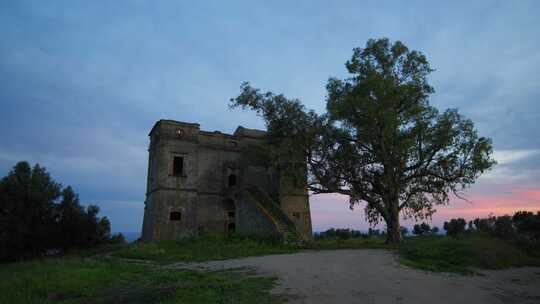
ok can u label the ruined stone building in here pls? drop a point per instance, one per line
(201, 182)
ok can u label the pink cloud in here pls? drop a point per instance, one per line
(332, 210)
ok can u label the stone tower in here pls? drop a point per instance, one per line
(199, 181)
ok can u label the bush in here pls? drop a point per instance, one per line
(503, 227)
(485, 224)
(340, 233)
(424, 229)
(523, 226)
(118, 238)
(374, 232)
(404, 231)
(527, 224)
(417, 230)
(456, 227)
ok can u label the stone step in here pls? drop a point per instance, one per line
(284, 225)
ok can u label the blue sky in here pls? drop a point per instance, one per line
(82, 82)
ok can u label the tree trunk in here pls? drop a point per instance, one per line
(393, 229)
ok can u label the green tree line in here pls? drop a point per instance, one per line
(523, 225)
(38, 215)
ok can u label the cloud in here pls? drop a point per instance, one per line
(510, 168)
(81, 83)
(504, 157)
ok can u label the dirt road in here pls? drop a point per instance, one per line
(375, 276)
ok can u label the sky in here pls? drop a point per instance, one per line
(82, 83)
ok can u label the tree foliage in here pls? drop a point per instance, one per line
(524, 225)
(379, 142)
(340, 233)
(27, 213)
(32, 219)
(455, 227)
(423, 229)
(527, 224)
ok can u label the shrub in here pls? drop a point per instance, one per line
(503, 227)
(118, 238)
(485, 224)
(527, 224)
(417, 230)
(423, 229)
(456, 227)
(404, 231)
(374, 232)
(340, 233)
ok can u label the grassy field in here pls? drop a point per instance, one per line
(433, 253)
(83, 280)
(210, 247)
(356, 243)
(219, 247)
(464, 255)
(96, 276)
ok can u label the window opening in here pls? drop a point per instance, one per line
(232, 180)
(178, 166)
(231, 227)
(175, 216)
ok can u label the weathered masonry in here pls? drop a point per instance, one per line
(200, 182)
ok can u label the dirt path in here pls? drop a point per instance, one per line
(375, 276)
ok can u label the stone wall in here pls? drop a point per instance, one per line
(201, 195)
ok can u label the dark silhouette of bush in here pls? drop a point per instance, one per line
(118, 238)
(340, 233)
(417, 230)
(374, 232)
(455, 227)
(404, 231)
(485, 224)
(523, 224)
(527, 224)
(423, 229)
(504, 227)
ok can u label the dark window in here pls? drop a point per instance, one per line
(175, 216)
(232, 180)
(296, 215)
(178, 166)
(231, 227)
(228, 204)
(231, 214)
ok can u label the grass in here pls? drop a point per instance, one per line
(433, 253)
(356, 243)
(83, 280)
(220, 247)
(463, 255)
(209, 247)
(91, 277)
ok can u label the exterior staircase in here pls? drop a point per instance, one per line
(283, 224)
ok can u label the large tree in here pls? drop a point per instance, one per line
(27, 211)
(380, 142)
(34, 219)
